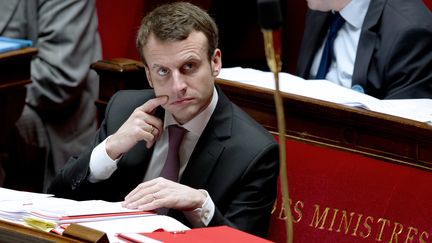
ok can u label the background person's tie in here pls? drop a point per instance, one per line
(336, 23)
(171, 168)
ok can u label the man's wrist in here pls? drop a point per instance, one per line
(109, 149)
(201, 216)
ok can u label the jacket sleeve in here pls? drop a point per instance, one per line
(409, 65)
(250, 208)
(68, 42)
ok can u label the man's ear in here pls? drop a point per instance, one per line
(216, 62)
(147, 71)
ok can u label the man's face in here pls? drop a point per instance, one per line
(181, 70)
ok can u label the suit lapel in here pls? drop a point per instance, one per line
(315, 31)
(367, 42)
(8, 9)
(209, 147)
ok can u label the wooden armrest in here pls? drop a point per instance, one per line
(117, 74)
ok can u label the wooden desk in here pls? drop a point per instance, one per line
(14, 75)
(313, 121)
(117, 74)
(353, 174)
(15, 233)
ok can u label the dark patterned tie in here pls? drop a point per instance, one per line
(336, 23)
(171, 168)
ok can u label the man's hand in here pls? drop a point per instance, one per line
(163, 193)
(141, 125)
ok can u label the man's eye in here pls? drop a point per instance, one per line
(162, 72)
(188, 66)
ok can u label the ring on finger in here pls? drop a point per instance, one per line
(152, 129)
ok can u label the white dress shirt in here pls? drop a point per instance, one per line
(345, 45)
(102, 166)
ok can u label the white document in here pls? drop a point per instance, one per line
(16, 206)
(13, 195)
(414, 109)
(60, 210)
(136, 225)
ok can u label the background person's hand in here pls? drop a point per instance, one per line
(141, 125)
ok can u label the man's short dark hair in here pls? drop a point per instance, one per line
(174, 22)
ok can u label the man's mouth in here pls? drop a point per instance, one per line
(181, 101)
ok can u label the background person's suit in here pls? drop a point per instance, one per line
(394, 55)
(59, 118)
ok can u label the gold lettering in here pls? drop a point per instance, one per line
(354, 233)
(409, 236)
(297, 209)
(335, 211)
(319, 218)
(362, 226)
(344, 220)
(274, 206)
(367, 226)
(282, 214)
(394, 233)
(421, 239)
(384, 222)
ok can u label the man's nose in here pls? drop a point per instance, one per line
(179, 82)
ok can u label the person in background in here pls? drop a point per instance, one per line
(383, 47)
(225, 165)
(59, 118)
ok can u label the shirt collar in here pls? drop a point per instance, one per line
(198, 123)
(355, 12)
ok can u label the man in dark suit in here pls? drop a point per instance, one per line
(384, 48)
(228, 162)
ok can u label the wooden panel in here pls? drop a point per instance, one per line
(14, 75)
(361, 131)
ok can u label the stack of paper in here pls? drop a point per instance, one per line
(414, 109)
(64, 211)
(47, 213)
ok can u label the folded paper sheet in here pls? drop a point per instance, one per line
(414, 109)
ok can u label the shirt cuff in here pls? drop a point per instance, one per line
(201, 217)
(101, 165)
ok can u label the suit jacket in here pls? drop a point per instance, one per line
(394, 54)
(235, 160)
(63, 88)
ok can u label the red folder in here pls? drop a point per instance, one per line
(217, 234)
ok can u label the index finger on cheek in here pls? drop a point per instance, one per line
(152, 104)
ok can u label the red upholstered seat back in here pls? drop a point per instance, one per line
(340, 196)
(118, 24)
